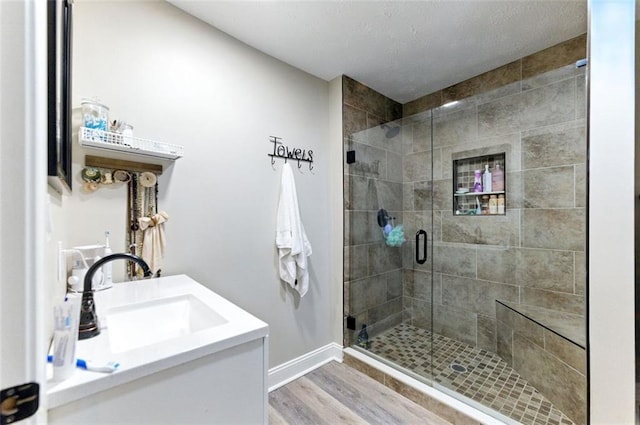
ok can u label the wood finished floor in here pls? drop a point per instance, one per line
(336, 394)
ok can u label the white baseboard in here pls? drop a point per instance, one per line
(293, 369)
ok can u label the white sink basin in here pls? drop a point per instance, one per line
(153, 325)
(146, 323)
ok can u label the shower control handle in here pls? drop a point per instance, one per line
(423, 259)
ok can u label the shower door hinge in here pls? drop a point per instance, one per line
(351, 157)
(19, 402)
(351, 323)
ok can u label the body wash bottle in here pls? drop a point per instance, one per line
(497, 179)
(486, 179)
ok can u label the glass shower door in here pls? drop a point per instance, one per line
(373, 253)
(388, 228)
(420, 167)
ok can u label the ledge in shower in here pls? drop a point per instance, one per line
(546, 348)
(566, 325)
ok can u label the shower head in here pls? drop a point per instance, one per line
(391, 130)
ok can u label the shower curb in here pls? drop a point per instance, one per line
(430, 398)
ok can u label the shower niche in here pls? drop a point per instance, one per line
(479, 185)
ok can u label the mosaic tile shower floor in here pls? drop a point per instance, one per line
(488, 379)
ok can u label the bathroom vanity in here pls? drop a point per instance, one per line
(186, 356)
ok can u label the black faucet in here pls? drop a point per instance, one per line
(88, 319)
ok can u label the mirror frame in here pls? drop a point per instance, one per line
(59, 134)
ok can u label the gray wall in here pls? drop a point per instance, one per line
(178, 80)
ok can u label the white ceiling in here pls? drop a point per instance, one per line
(403, 49)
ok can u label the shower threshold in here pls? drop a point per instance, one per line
(478, 377)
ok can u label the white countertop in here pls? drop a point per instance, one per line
(240, 327)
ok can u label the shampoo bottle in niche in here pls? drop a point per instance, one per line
(486, 180)
(484, 209)
(363, 337)
(106, 269)
(497, 178)
(493, 204)
(477, 181)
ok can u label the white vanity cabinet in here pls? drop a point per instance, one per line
(215, 376)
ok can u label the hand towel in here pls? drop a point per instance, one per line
(291, 239)
(153, 242)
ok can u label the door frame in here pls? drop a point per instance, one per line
(23, 141)
(611, 202)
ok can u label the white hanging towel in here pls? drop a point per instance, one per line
(153, 242)
(291, 239)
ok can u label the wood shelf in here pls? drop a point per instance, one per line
(500, 192)
(121, 164)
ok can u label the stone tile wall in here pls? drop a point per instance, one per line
(372, 270)
(530, 66)
(533, 255)
(533, 110)
(551, 363)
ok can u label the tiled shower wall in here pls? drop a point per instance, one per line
(535, 113)
(372, 270)
(532, 109)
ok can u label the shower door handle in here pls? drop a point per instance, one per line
(423, 259)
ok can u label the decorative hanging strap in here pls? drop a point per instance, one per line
(153, 240)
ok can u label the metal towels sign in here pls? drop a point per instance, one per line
(280, 150)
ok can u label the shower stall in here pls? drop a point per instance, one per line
(478, 292)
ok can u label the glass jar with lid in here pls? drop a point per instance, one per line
(95, 115)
